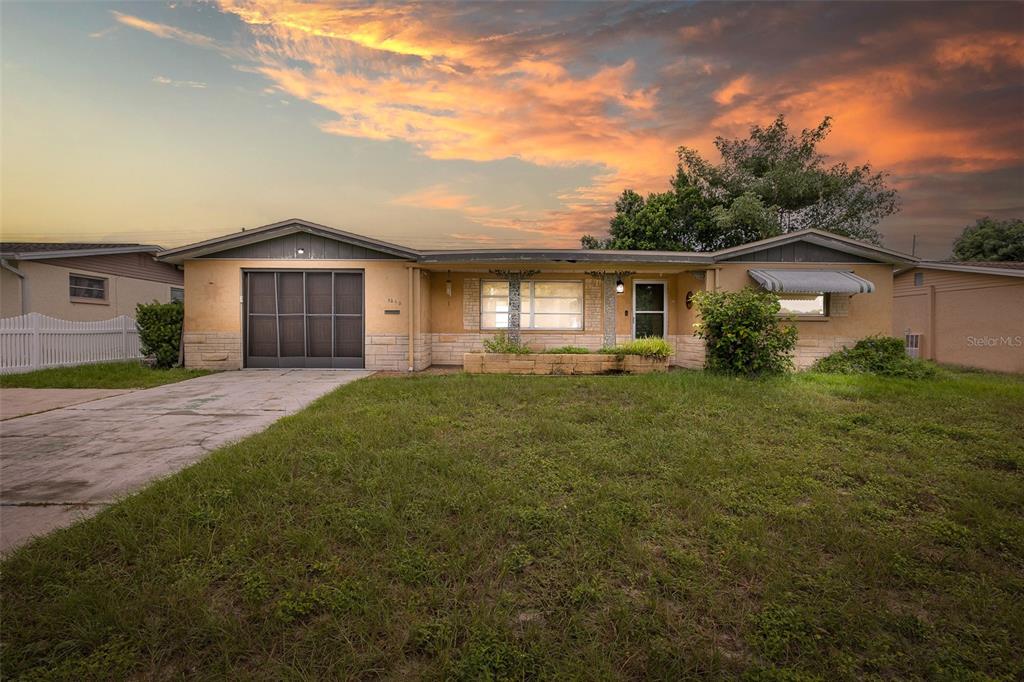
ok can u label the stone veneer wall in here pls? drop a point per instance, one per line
(448, 349)
(809, 349)
(213, 350)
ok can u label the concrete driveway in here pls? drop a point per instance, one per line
(57, 467)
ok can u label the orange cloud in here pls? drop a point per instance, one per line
(733, 89)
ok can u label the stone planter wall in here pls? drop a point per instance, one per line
(558, 363)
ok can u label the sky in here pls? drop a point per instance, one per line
(456, 125)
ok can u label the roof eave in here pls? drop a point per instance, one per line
(953, 267)
(71, 253)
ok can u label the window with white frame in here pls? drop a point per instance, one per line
(803, 305)
(91, 288)
(552, 305)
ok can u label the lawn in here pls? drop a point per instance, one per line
(632, 527)
(103, 375)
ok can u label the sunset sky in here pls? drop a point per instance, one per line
(463, 124)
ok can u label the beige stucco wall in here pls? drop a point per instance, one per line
(213, 309)
(867, 314)
(214, 289)
(48, 293)
(978, 319)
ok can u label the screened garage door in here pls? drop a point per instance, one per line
(304, 319)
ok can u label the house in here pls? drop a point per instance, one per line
(963, 313)
(298, 294)
(84, 282)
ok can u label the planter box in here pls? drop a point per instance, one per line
(559, 363)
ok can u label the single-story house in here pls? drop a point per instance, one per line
(84, 282)
(298, 294)
(962, 313)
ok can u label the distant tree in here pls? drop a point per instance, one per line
(769, 183)
(993, 240)
(677, 220)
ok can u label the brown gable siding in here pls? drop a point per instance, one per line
(798, 252)
(138, 265)
(944, 280)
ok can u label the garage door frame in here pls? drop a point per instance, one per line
(305, 361)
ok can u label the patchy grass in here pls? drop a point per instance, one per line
(103, 375)
(637, 527)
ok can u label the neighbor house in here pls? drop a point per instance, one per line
(84, 282)
(298, 294)
(963, 313)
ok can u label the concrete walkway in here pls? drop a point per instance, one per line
(17, 402)
(59, 466)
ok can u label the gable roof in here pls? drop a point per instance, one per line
(279, 229)
(844, 245)
(820, 238)
(41, 250)
(1006, 268)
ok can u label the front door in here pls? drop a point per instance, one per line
(650, 315)
(304, 319)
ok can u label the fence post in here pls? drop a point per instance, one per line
(34, 349)
(124, 337)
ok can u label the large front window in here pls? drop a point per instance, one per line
(545, 305)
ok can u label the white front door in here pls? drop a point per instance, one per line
(650, 309)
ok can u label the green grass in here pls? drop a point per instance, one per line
(634, 527)
(104, 375)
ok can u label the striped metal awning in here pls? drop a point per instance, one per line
(812, 281)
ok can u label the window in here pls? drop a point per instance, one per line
(918, 279)
(544, 305)
(90, 288)
(803, 305)
(177, 295)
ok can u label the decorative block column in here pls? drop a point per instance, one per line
(515, 305)
(609, 317)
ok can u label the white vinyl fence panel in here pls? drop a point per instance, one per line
(35, 341)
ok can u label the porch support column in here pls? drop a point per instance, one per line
(515, 305)
(610, 310)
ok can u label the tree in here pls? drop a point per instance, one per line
(771, 172)
(676, 220)
(992, 240)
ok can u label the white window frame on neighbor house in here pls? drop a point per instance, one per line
(528, 313)
(664, 305)
(104, 288)
(823, 315)
(181, 295)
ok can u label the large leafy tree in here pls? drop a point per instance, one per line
(768, 183)
(992, 240)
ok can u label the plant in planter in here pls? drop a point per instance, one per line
(568, 350)
(501, 343)
(653, 347)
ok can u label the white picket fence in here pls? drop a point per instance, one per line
(35, 341)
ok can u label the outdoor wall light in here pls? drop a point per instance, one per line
(300, 251)
(619, 287)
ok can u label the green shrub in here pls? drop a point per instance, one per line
(160, 331)
(502, 344)
(743, 332)
(882, 355)
(650, 347)
(569, 350)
